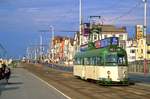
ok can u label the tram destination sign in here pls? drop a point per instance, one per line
(114, 41)
(84, 47)
(107, 42)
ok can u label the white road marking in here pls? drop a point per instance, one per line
(49, 85)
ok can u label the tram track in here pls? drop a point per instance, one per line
(89, 90)
(140, 94)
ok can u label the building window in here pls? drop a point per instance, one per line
(95, 37)
(141, 50)
(142, 42)
(148, 52)
(105, 36)
(133, 57)
(113, 35)
(121, 37)
(121, 45)
(132, 51)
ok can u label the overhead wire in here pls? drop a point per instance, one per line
(2, 50)
(126, 13)
(108, 7)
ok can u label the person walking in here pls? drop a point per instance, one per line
(3, 70)
(7, 74)
(0, 69)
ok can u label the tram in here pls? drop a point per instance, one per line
(106, 64)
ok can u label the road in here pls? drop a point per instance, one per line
(80, 89)
(140, 78)
(24, 85)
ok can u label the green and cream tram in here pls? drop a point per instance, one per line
(108, 64)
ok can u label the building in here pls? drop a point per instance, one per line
(62, 50)
(141, 41)
(148, 46)
(139, 31)
(68, 51)
(148, 52)
(98, 32)
(141, 49)
(131, 48)
(56, 48)
(76, 43)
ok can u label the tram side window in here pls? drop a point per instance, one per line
(99, 61)
(86, 61)
(93, 60)
(111, 59)
(78, 61)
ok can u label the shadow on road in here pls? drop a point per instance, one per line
(14, 76)
(8, 86)
(139, 78)
(14, 83)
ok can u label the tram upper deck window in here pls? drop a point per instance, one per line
(111, 60)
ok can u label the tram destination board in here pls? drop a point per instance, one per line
(107, 42)
(102, 43)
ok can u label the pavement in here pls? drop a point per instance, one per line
(24, 85)
(140, 78)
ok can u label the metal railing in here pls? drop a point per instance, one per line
(138, 66)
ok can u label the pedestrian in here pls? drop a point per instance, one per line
(7, 74)
(0, 69)
(0, 74)
(3, 70)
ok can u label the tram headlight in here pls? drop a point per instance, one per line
(108, 72)
(125, 74)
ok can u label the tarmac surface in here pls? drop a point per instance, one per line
(25, 85)
(80, 89)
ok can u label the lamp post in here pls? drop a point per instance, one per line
(145, 16)
(145, 28)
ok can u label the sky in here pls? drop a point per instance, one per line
(22, 20)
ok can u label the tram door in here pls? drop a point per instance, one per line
(83, 69)
(96, 71)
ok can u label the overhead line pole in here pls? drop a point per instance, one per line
(80, 20)
(145, 16)
(145, 28)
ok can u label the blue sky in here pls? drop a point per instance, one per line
(21, 20)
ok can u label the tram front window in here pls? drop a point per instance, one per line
(111, 60)
(121, 61)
